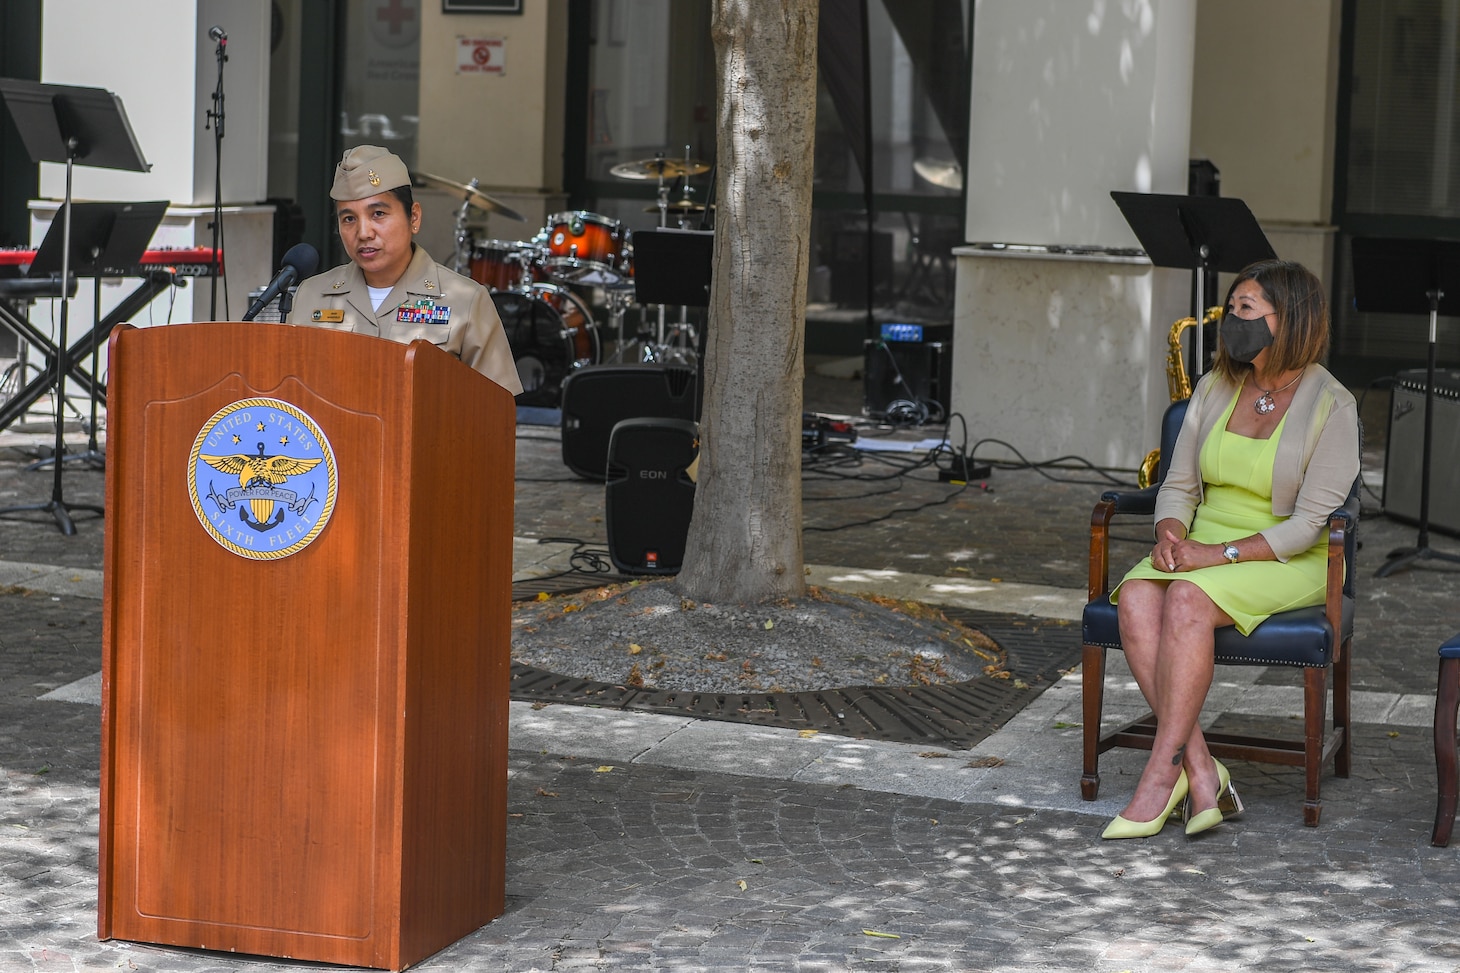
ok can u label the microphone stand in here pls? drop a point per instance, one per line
(215, 121)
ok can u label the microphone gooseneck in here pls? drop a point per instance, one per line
(299, 262)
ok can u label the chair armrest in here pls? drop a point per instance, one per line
(1347, 516)
(1341, 545)
(1132, 501)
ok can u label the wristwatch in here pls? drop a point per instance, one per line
(1230, 552)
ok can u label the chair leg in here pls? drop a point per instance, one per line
(1342, 713)
(1315, 685)
(1092, 696)
(1447, 700)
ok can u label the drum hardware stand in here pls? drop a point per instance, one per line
(619, 299)
(1389, 277)
(63, 123)
(461, 258)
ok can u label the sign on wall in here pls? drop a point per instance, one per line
(481, 55)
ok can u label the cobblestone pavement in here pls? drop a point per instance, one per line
(641, 868)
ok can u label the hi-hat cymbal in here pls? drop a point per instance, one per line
(678, 206)
(657, 168)
(940, 172)
(471, 194)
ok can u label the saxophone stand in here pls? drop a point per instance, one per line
(1204, 234)
(1411, 277)
(63, 123)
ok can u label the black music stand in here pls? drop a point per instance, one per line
(109, 238)
(674, 267)
(1411, 277)
(1208, 234)
(86, 126)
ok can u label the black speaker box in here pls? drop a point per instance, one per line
(1404, 453)
(650, 496)
(906, 370)
(597, 398)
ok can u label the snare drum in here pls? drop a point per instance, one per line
(585, 248)
(551, 332)
(499, 264)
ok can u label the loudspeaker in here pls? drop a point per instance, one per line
(1404, 452)
(919, 371)
(597, 398)
(650, 494)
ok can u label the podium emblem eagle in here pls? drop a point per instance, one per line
(286, 485)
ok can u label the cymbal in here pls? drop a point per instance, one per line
(940, 172)
(678, 206)
(656, 168)
(471, 194)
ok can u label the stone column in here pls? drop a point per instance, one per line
(1059, 339)
(159, 59)
(504, 128)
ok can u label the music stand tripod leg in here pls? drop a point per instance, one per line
(57, 506)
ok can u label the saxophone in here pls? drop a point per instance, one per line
(1178, 383)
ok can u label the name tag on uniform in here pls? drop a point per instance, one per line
(423, 312)
(329, 315)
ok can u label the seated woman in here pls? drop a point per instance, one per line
(1268, 449)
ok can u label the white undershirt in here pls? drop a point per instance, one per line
(378, 295)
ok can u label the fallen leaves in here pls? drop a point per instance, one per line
(880, 935)
(544, 792)
(983, 762)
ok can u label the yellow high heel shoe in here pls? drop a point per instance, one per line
(1126, 828)
(1229, 805)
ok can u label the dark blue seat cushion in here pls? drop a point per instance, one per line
(1451, 649)
(1301, 637)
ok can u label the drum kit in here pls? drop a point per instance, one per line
(535, 283)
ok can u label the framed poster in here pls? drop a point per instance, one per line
(481, 6)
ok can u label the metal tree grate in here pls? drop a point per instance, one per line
(953, 715)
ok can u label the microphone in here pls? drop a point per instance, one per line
(298, 263)
(218, 34)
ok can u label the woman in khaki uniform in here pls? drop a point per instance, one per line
(391, 288)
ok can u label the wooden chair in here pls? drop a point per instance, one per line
(1318, 640)
(1447, 702)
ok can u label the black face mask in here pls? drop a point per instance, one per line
(1243, 338)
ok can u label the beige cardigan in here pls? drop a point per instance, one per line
(1313, 471)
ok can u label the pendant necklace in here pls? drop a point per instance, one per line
(1265, 403)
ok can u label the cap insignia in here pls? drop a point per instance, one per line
(374, 179)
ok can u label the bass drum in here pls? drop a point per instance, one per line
(551, 333)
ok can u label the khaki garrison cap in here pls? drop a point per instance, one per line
(367, 170)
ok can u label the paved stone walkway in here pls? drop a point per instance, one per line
(974, 860)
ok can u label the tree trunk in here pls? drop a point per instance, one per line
(745, 538)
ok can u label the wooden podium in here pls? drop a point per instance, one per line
(304, 681)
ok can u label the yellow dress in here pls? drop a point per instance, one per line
(1237, 475)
